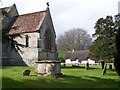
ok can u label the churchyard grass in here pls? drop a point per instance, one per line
(75, 77)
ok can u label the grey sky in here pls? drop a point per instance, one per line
(67, 14)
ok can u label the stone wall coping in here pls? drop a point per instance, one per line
(48, 61)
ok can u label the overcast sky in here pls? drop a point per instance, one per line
(68, 14)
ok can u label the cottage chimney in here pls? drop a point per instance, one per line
(73, 50)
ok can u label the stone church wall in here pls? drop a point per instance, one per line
(31, 52)
(27, 56)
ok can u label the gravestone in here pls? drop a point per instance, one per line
(26, 73)
(104, 69)
(87, 66)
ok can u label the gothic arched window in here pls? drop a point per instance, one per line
(48, 40)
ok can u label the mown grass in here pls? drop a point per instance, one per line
(75, 77)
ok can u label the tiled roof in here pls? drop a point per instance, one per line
(27, 23)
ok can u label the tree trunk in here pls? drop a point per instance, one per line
(117, 56)
(102, 63)
(117, 65)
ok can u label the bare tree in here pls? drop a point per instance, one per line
(75, 38)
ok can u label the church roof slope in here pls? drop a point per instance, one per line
(27, 23)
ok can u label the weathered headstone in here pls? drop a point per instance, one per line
(87, 66)
(26, 73)
(104, 69)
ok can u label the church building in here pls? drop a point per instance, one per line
(27, 38)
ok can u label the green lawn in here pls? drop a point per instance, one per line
(75, 77)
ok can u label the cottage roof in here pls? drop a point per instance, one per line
(81, 55)
(27, 23)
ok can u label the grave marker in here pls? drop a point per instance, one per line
(26, 73)
(87, 66)
(104, 69)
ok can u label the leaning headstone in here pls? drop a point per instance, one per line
(26, 73)
(104, 69)
(102, 63)
(87, 66)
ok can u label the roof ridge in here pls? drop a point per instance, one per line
(28, 22)
(33, 12)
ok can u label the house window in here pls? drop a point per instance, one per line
(27, 40)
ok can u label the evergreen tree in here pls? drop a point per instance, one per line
(104, 45)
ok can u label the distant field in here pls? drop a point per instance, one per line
(75, 77)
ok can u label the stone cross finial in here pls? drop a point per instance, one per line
(47, 4)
